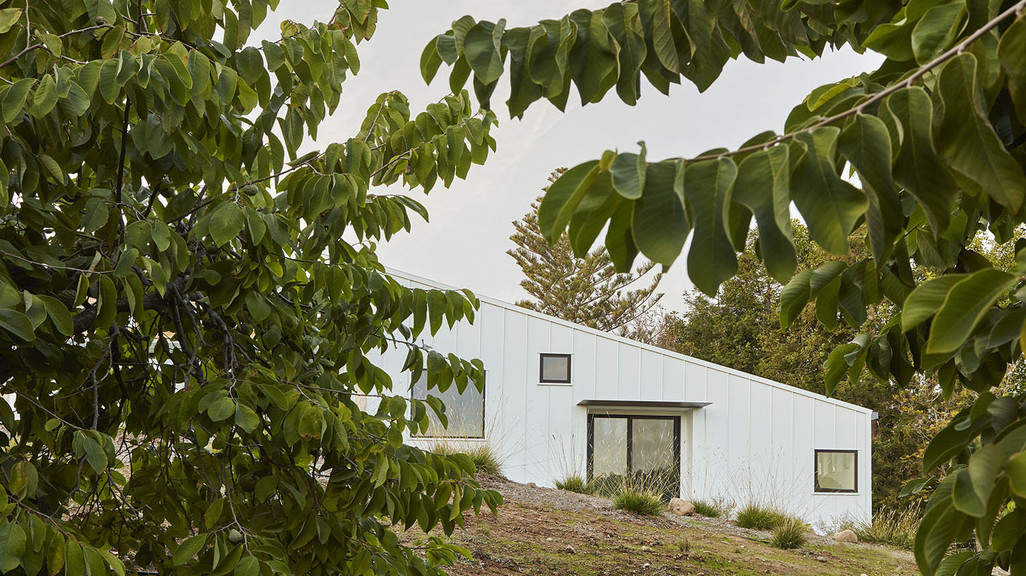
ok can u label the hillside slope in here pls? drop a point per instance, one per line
(544, 531)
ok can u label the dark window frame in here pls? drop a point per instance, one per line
(484, 406)
(815, 472)
(630, 438)
(541, 368)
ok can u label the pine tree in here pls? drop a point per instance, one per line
(585, 290)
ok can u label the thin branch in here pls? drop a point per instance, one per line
(54, 266)
(1015, 10)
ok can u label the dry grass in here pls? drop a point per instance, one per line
(574, 483)
(757, 517)
(791, 533)
(894, 527)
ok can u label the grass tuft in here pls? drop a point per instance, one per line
(574, 483)
(791, 533)
(894, 527)
(485, 460)
(758, 517)
(642, 502)
(712, 509)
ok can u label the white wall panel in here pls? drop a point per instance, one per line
(755, 440)
(629, 382)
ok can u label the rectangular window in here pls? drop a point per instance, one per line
(464, 410)
(554, 368)
(837, 471)
(640, 450)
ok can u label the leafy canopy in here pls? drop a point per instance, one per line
(928, 152)
(186, 336)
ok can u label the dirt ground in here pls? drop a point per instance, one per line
(545, 531)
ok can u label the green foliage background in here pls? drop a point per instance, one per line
(186, 336)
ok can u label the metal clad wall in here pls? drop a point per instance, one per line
(754, 442)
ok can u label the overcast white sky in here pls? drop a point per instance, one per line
(466, 240)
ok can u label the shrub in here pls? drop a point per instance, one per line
(789, 534)
(574, 483)
(643, 502)
(482, 455)
(894, 527)
(712, 508)
(759, 517)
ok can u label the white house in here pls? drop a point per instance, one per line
(561, 398)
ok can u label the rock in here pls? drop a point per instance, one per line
(570, 549)
(681, 507)
(846, 536)
(821, 559)
(646, 565)
(645, 548)
(532, 484)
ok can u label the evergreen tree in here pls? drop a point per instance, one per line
(581, 288)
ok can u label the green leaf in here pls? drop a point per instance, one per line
(867, 145)
(620, 238)
(794, 296)
(482, 46)
(562, 197)
(660, 225)
(595, 67)
(973, 485)
(17, 324)
(968, 141)
(629, 174)
(248, 566)
(221, 409)
(830, 206)
(94, 453)
(917, 168)
(966, 304)
(625, 27)
(1011, 53)
(14, 99)
(107, 305)
(246, 418)
(937, 29)
(927, 299)
(59, 315)
(8, 18)
(189, 548)
(711, 259)
(12, 546)
(940, 526)
(1015, 469)
(763, 186)
(226, 222)
(44, 98)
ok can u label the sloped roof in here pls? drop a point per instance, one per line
(399, 274)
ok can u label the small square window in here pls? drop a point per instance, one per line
(837, 471)
(554, 368)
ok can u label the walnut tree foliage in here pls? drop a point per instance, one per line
(927, 151)
(583, 288)
(188, 307)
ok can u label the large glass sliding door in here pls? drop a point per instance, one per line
(643, 451)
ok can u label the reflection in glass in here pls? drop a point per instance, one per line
(835, 471)
(465, 411)
(652, 445)
(610, 452)
(555, 368)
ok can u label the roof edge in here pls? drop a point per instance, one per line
(621, 339)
